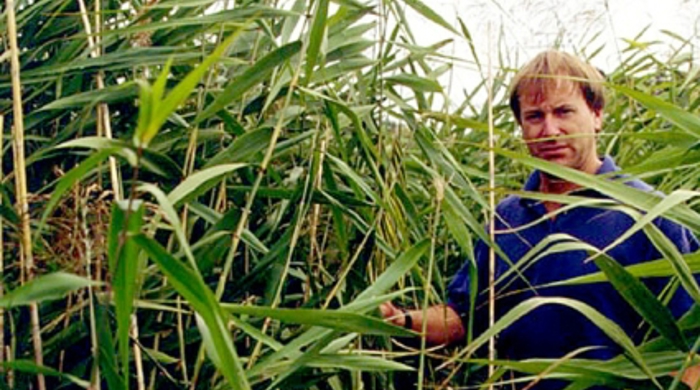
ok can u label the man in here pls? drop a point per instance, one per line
(558, 102)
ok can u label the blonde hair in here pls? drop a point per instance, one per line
(548, 69)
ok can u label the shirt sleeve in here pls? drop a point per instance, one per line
(466, 286)
(682, 237)
(686, 242)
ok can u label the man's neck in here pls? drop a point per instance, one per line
(554, 185)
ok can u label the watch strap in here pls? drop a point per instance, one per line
(407, 320)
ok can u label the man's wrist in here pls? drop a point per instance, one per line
(407, 320)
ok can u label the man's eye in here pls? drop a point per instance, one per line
(533, 116)
(564, 110)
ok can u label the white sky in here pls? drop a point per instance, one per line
(519, 29)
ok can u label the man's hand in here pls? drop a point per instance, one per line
(691, 376)
(392, 313)
(443, 324)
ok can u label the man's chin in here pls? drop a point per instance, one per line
(555, 159)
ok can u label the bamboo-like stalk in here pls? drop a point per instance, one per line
(138, 360)
(245, 212)
(351, 263)
(102, 108)
(159, 319)
(105, 124)
(188, 168)
(21, 183)
(2, 254)
(181, 340)
(314, 248)
(492, 212)
(66, 323)
(95, 382)
(439, 196)
(10, 373)
(243, 222)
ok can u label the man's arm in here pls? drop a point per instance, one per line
(444, 326)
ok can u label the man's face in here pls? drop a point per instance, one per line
(559, 126)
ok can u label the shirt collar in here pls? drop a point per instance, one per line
(533, 181)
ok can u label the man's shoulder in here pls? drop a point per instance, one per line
(637, 183)
(511, 206)
(510, 202)
(609, 167)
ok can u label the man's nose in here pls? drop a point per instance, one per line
(550, 127)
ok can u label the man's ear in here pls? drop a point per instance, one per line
(598, 119)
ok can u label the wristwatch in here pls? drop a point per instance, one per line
(407, 320)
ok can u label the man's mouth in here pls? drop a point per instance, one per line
(551, 150)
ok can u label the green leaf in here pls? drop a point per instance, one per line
(616, 373)
(339, 70)
(357, 363)
(465, 217)
(45, 288)
(459, 121)
(346, 322)
(123, 256)
(669, 251)
(110, 94)
(181, 3)
(157, 112)
(250, 78)
(161, 356)
(243, 148)
(667, 203)
(155, 162)
(459, 231)
(367, 300)
(649, 269)
(106, 355)
(200, 182)
(417, 83)
(467, 35)
(643, 301)
(317, 34)
(685, 120)
(641, 200)
(431, 15)
(158, 89)
(610, 328)
(146, 108)
(213, 322)
(169, 211)
(67, 182)
(290, 22)
(9, 214)
(185, 87)
(31, 367)
(354, 178)
(393, 273)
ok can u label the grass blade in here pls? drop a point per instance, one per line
(200, 182)
(611, 329)
(252, 76)
(346, 322)
(686, 120)
(123, 255)
(45, 288)
(191, 286)
(429, 14)
(643, 301)
(317, 35)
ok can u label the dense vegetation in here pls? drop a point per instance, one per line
(220, 197)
